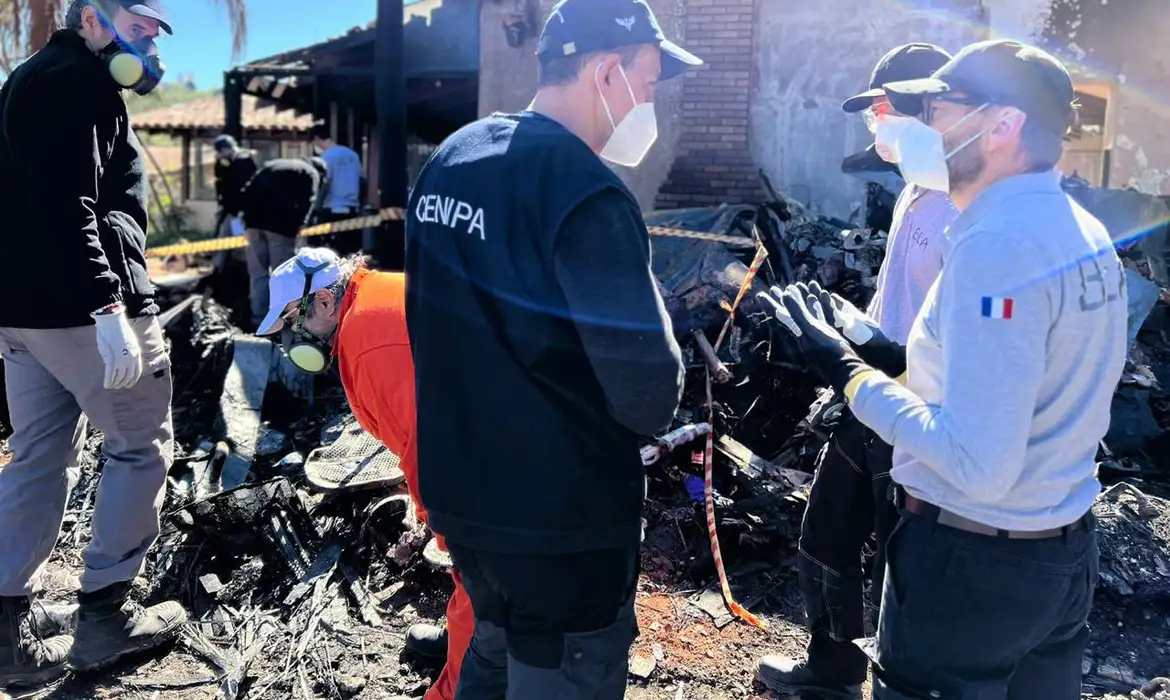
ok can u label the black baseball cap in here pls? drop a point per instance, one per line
(903, 63)
(588, 26)
(1001, 72)
(148, 8)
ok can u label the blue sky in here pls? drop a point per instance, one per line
(202, 44)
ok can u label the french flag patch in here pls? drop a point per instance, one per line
(997, 307)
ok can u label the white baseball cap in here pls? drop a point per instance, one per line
(286, 284)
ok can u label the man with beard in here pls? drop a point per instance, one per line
(80, 337)
(850, 497)
(1011, 364)
(543, 355)
(337, 307)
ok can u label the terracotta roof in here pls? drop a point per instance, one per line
(208, 114)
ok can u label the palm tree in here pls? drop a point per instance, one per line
(25, 26)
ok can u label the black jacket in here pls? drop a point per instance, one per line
(280, 196)
(231, 175)
(73, 192)
(529, 383)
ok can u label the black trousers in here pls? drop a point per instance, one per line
(976, 617)
(850, 500)
(345, 242)
(557, 626)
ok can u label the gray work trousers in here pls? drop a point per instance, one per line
(54, 383)
(265, 252)
(554, 626)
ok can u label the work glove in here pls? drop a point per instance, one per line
(119, 348)
(825, 413)
(824, 348)
(872, 346)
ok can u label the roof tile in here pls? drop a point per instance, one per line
(208, 113)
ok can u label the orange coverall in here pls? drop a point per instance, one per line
(373, 354)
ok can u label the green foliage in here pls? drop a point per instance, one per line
(170, 222)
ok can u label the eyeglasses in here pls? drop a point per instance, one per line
(288, 316)
(965, 100)
(875, 113)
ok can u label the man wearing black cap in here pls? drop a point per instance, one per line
(850, 497)
(543, 354)
(80, 337)
(1011, 367)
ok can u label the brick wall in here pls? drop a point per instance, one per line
(713, 163)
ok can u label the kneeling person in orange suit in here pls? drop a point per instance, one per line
(324, 307)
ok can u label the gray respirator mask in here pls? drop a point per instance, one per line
(134, 65)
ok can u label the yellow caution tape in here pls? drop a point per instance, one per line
(215, 245)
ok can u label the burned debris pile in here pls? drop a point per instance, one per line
(1134, 529)
(289, 537)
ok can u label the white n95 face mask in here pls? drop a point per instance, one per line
(885, 139)
(633, 137)
(922, 155)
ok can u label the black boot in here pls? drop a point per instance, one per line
(780, 673)
(110, 626)
(27, 659)
(427, 641)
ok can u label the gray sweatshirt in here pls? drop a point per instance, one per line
(1012, 363)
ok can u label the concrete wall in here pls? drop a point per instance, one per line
(508, 82)
(810, 57)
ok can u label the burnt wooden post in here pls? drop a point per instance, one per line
(390, 89)
(233, 105)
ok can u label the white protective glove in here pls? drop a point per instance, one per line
(119, 349)
(857, 328)
(777, 310)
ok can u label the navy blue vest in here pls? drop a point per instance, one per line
(517, 450)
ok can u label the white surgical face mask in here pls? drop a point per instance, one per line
(922, 155)
(633, 137)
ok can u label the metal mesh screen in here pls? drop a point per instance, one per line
(354, 460)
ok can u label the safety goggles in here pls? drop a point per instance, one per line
(874, 114)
